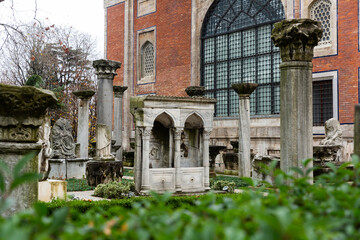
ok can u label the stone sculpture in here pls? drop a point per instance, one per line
(62, 141)
(333, 133)
(46, 151)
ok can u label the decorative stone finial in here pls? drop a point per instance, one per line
(195, 91)
(84, 94)
(21, 112)
(296, 38)
(244, 89)
(106, 69)
(119, 90)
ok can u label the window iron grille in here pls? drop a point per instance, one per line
(322, 102)
(147, 57)
(237, 47)
(321, 11)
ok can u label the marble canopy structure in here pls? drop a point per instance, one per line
(172, 143)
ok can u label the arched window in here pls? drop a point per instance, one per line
(237, 47)
(147, 59)
(321, 11)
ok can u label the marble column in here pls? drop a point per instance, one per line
(84, 98)
(206, 162)
(357, 130)
(145, 186)
(244, 90)
(118, 126)
(105, 71)
(22, 110)
(177, 158)
(296, 39)
(137, 160)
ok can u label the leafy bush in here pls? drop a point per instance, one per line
(115, 189)
(223, 185)
(239, 182)
(296, 209)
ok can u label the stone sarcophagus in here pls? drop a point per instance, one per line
(172, 143)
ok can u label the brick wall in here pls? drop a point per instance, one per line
(172, 20)
(115, 38)
(346, 61)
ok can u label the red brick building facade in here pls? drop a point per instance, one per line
(172, 34)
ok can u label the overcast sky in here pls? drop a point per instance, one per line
(84, 15)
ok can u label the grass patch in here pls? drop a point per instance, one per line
(78, 185)
(128, 172)
(239, 182)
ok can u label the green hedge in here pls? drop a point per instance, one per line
(295, 209)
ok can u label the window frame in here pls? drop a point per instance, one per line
(333, 76)
(143, 36)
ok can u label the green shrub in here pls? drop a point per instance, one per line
(224, 186)
(239, 182)
(115, 189)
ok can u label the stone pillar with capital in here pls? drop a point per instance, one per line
(118, 108)
(84, 97)
(177, 158)
(105, 71)
(296, 39)
(206, 162)
(145, 185)
(22, 110)
(244, 90)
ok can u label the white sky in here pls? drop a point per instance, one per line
(83, 15)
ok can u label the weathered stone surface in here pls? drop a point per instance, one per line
(357, 130)
(46, 151)
(119, 90)
(103, 143)
(52, 189)
(61, 169)
(333, 133)
(296, 38)
(106, 69)
(194, 91)
(84, 97)
(62, 141)
(84, 94)
(98, 172)
(21, 113)
(329, 153)
(21, 109)
(118, 118)
(244, 89)
(231, 161)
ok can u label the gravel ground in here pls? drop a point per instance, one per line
(85, 195)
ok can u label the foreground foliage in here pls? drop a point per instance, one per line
(295, 209)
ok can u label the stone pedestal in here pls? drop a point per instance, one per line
(84, 98)
(296, 39)
(105, 71)
(67, 168)
(357, 130)
(21, 112)
(52, 189)
(118, 109)
(98, 172)
(244, 90)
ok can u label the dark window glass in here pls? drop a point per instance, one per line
(237, 47)
(322, 102)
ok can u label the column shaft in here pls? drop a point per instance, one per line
(244, 137)
(145, 164)
(206, 137)
(83, 127)
(177, 164)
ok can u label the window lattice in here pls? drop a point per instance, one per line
(322, 102)
(147, 63)
(237, 47)
(321, 11)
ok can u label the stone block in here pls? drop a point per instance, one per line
(67, 168)
(52, 189)
(98, 172)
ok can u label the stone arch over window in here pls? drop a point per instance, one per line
(320, 10)
(147, 59)
(324, 11)
(236, 47)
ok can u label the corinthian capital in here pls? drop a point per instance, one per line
(106, 69)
